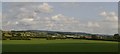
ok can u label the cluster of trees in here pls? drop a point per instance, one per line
(116, 37)
(20, 38)
(15, 35)
(26, 35)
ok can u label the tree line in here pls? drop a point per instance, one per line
(28, 35)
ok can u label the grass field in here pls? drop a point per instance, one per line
(68, 45)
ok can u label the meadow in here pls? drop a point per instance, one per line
(68, 45)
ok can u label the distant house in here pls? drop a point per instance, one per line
(69, 36)
(89, 37)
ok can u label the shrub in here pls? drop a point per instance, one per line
(20, 38)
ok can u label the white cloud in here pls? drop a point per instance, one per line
(109, 16)
(16, 22)
(103, 13)
(64, 19)
(0, 15)
(11, 23)
(26, 16)
(0, 20)
(111, 19)
(60, 17)
(93, 24)
(45, 8)
(23, 9)
(57, 17)
(27, 19)
(26, 13)
(61, 22)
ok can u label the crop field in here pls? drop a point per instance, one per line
(68, 45)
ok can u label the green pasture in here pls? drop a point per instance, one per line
(68, 45)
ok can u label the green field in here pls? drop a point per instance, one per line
(68, 45)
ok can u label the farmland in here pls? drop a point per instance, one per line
(67, 45)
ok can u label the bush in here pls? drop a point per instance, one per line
(51, 38)
(20, 38)
(4, 38)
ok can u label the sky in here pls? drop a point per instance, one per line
(0, 14)
(90, 17)
(59, 0)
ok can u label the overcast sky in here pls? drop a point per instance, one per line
(91, 17)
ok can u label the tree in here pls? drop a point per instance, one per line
(43, 34)
(94, 37)
(117, 37)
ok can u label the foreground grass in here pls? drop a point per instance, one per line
(59, 46)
